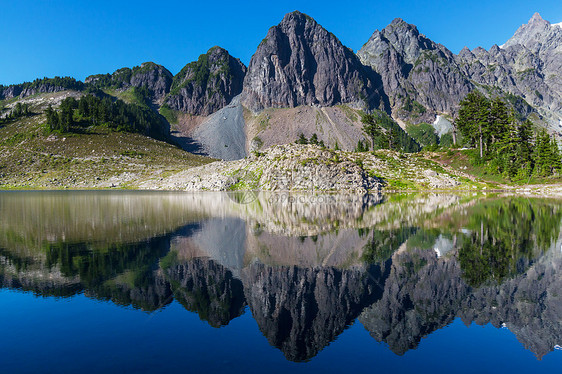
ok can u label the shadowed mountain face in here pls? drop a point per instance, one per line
(488, 261)
(204, 86)
(300, 63)
(207, 288)
(302, 310)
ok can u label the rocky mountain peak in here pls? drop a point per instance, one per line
(537, 19)
(156, 78)
(532, 33)
(204, 86)
(296, 17)
(407, 40)
(301, 63)
(416, 72)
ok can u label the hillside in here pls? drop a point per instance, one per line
(31, 157)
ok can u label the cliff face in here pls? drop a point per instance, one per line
(38, 86)
(204, 86)
(301, 63)
(10, 92)
(420, 77)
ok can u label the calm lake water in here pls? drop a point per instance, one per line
(174, 282)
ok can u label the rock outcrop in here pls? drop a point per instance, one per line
(204, 86)
(301, 63)
(10, 92)
(156, 79)
(282, 168)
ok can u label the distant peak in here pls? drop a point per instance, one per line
(216, 48)
(536, 18)
(297, 16)
(400, 24)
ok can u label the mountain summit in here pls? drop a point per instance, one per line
(535, 32)
(204, 86)
(301, 63)
(419, 76)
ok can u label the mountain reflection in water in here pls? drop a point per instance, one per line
(306, 269)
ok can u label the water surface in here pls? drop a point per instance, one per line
(145, 282)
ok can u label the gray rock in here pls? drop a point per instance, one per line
(204, 86)
(301, 63)
(424, 79)
(10, 92)
(222, 134)
(420, 77)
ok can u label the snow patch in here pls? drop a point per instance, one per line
(442, 126)
(557, 24)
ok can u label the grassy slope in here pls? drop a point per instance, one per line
(460, 160)
(31, 158)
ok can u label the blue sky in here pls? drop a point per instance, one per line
(46, 38)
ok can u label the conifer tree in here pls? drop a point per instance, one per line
(474, 119)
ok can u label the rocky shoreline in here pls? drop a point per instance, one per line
(309, 168)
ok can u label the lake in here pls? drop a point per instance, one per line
(255, 282)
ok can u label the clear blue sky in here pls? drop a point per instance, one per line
(46, 38)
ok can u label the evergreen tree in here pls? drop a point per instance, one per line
(507, 158)
(498, 121)
(53, 122)
(302, 139)
(543, 155)
(525, 147)
(554, 154)
(474, 119)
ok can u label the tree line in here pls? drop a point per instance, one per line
(75, 115)
(507, 146)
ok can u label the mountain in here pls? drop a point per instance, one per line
(424, 79)
(204, 86)
(39, 86)
(527, 65)
(156, 79)
(301, 63)
(303, 81)
(420, 76)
